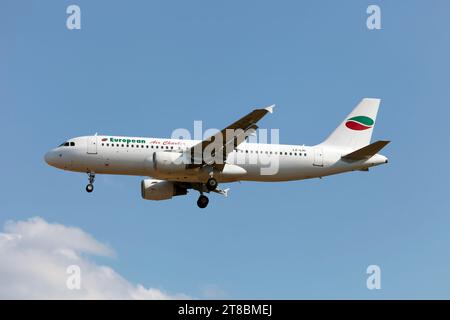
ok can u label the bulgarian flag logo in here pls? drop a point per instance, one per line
(359, 123)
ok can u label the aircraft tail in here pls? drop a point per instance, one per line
(356, 130)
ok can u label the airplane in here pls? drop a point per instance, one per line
(174, 166)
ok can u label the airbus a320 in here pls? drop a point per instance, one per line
(174, 166)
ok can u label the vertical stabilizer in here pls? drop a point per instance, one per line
(356, 130)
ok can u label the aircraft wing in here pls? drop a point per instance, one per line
(218, 146)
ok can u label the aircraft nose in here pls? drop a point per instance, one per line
(50, 158)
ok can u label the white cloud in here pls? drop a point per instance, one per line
(35, 255)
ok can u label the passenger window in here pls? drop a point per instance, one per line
(107, 144)
(122, 145)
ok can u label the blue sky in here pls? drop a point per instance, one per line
(144, 68)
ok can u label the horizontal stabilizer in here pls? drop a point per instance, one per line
(366, 152)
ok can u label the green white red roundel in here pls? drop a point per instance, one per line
(359, 123)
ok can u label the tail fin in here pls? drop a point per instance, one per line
(356, 130)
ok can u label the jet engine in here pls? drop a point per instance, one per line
(152, 189)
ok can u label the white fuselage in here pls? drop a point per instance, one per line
(250, 161)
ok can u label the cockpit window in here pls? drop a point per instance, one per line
(67, 144)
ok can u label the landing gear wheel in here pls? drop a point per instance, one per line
(202, 201)
(211, 184)
(90, 187)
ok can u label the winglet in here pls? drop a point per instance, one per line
(270, 108)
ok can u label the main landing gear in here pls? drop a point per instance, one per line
(90, 186)
(202, 201)
(209, 186)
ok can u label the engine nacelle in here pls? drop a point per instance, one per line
(166, 162)
(152, 189)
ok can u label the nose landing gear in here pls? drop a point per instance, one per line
(90, 186)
